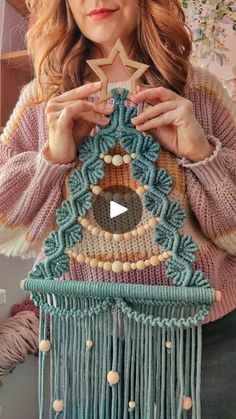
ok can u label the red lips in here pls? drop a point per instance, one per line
(97, 11)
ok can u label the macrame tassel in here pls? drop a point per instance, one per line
(107, 364)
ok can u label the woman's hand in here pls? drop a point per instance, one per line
(71, 118)
(172, 122)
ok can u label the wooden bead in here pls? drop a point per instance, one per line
(108, 196)
(168, 344)
(187, 403)
(166, 255)
(22, 283)
(87, 260)
(107, 266)
(127, 158)
(147, 262)
(161, 258)
(113, 377)
(126, 267)
(100, 264)
(58, 405)
(90, 227)
(133, 155)
(45, 345)
(89, 344)
(84, 222)
(128, 235)
(97, 189)
(101, 155)
(140, 264)
(146, 187)
(93, 263)
(118, 237)
(74, 255)
(154, 260)
(117, 266)
(108, 158)
(134, 233)
(132, 405)
(141, 231)
(152, 222)
(108, 235)
(146, 227)
(117, 160)
(140, 190)
(133, 265)
(95, 231)
(80, 258)
(218, 296)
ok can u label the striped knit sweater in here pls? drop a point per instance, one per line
(32, 187)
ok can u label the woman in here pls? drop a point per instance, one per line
(191, 116)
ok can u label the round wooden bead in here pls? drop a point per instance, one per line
(134, 233)
(133, 265)
(147, 262)
(89, 344)
(146, 227)
(128, 235)
(117, 160)
(146, 187)
(161, 258)
(140, 190)
(97, 189)
(107, 266)
(87, 260)
(108, 235)
(45, 345)
(108, 196)
(141, 231)
(187, 403)
(118, 237)
(58, 405)
(117, 266)
(108, 158)
(95, 231)
(168, 344)
(152, 222)
(126, 267)
(74, 255)
(127, 158)
(166, 255)
(84, 222)
(90, 227)
(93, 263)
(100, 264)
(132, 404)
(133, 155)
(80, 258)
(113, 377)
(101, 155)
(140, 264)
(154, 260)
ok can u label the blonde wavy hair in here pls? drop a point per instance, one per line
(59, 50)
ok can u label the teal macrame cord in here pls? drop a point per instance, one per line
(148, 338)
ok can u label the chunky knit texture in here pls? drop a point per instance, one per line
(32, 188)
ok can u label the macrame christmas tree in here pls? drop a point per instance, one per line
(120, 350)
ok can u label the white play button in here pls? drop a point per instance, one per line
(116, 209)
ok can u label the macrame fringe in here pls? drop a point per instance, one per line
(158, 362)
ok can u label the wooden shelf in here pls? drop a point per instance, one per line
(20, 6)
(16, 59)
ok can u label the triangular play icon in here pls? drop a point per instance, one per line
(116, 209)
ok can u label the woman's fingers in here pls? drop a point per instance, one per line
(89, 112)
(154, 111)
(80, 92)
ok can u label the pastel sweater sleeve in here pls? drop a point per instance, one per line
(211, 183)
(30, 185)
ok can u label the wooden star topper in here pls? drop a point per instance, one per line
(131, 83)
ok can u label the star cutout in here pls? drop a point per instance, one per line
(131, 83)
